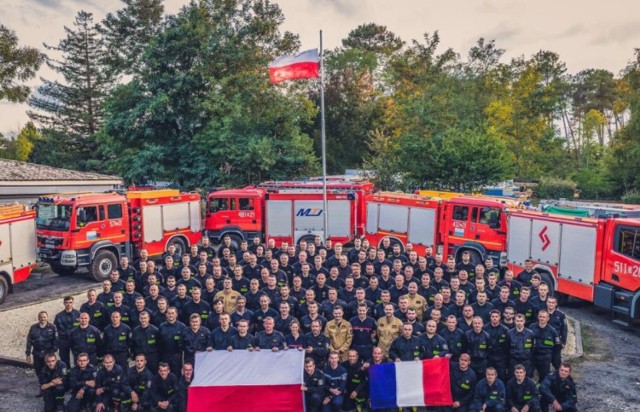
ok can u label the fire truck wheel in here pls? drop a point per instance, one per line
(235, 240)
(4, 289)
(181, 247)
(63, 270)
(562, 298)
(103, 263)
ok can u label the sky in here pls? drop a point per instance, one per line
(585, 33)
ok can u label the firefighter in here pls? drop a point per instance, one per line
(65, 321)
(181, 394)
(317, 344)
(96, 310)
(527, 273)
(546, 339)
(163, 386)
(455, 338)
(53, 382)
(490, 394)
(82, 383)
(433, 345)
(498, 345)
(406, 347)
(139, 379)
(364, 332)
(340, 333)
(269, 338)
(335, 378)
(522, 392)
(243, 339)
(478, 346)
(172, 335)
(111, 385)
(196, 339)
(117, 340)
(221, 336)
(145, 340)
(521, 342)
(86, 338)
(313, 386)
(463, 383)
(558, 320)
(42, 339)
(559, 391)
(356, 391)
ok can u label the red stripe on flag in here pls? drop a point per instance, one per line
(259, 398)
(436, 382)
(303, 70)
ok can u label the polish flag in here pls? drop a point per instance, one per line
(405, 384)
(243, 381)
(305, 65)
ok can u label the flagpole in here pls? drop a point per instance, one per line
(324, 144)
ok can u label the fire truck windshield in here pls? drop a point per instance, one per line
(54, 217)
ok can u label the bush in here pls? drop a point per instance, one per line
(594, 184)
(631, 197)
(553, 188)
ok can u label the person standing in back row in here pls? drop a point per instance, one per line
(42, 339)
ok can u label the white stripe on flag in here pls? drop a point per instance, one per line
(241, 367)
(409, 388)
(288, 59)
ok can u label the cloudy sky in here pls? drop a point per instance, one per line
(585, 33)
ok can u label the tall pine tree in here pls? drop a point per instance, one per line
(75, 106)
(128, 32)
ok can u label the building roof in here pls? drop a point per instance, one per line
(13, 171)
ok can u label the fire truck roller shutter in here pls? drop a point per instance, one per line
(23, 242)
(339, 218)
(372, 218)
(422, 226)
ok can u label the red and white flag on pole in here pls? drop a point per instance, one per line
(243, 381)
(305, 65)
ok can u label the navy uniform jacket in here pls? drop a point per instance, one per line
(406, 349)
(463, 383)
(564, 391)
(269, 341)
(42, 340)
(491, 395)
(521, 394)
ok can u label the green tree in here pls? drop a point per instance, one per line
(17, 64)
(128, 32)
(76, 106)
(25, 142)
(7, 147)
(202, 111)
(457, 159)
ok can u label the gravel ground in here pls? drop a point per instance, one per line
(18, 387)
(607, 375)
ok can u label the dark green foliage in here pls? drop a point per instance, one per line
(553, 188)
(17, 64)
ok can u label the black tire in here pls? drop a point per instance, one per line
(4, 289)
(63, 270)
(181, 246)
(103, 263)
(562, 298)
(235, 240)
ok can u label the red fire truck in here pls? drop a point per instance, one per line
(91, 231)
(17, 246)
(452, 222)
(287, 211)
(595, 257)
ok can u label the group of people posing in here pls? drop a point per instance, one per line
(134, 343)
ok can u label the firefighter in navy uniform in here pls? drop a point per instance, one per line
(490, 394)
(163, 387)
(406, 347)
(172, 335)
(82, 383)
(65, 321)
(356, 392)
(182, 390)
(145, 340)
(463, 383)
(312, 386)
(42, 339)
(558, 320)
(545, 340)
(139, 379)
(522, 392)
(111, 385)
(86, 338)
(117, 340)
(559, 390)
(53, 382)
(498, 345)
(520, 346)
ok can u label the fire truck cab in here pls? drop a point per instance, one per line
(93, 230)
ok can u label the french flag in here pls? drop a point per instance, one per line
(305, 65)
(404, 384)
(243, 381)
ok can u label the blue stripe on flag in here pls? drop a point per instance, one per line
(382, 386)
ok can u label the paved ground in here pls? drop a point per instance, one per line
(607, 376)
